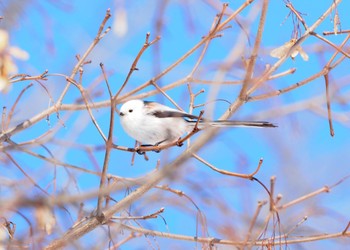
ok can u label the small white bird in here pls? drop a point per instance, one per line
(153, 123)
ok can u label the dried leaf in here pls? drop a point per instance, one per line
(18, 53)
(303, 54)
(283, 50)
(45, 218)
(120, 24)
(4, 237)
(4, 40)
(336, 23)
(7, 65)
(4, 84)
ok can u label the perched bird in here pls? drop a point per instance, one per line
(152, 123)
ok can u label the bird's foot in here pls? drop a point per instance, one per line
(139, 151)
(179, 142)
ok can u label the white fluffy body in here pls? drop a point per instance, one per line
(139, 123)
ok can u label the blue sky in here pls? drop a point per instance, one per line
(300, 152)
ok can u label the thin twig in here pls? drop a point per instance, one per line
(252, 60)
(225, 172)
(339, 49)
(216, 241)
(12, 110)
(329, 112)
(133, 67)
(290, 6)
(93, 119)
(327, 33)
(24, 77)
(98, 37)
(25, 174)
(143, 217)
(305, 197)
(254, 219)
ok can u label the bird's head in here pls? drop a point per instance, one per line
(131, 108)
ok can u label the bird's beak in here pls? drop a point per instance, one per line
(121, 114)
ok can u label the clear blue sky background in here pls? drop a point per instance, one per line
(299, 152)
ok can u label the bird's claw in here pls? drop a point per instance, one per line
(195, 129)
(179, 142)
(140, 152)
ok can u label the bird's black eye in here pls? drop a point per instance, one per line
(130, 110)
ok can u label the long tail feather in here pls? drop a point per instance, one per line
(225, 123)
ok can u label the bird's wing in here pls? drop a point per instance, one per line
(162, 111)
(173, 113)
